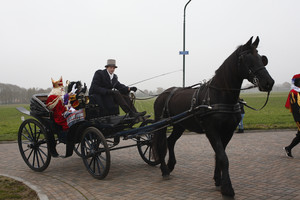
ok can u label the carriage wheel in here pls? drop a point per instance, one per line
(77, 149)
(144, 145)
(95, 153)
(33, 145)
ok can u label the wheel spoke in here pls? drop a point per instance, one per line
(91, 162)
(26, 150)
(29, 154)
(26, 142)
(29, 135)
(87, 141)
(38, 134)
(35, 132)
(98, 165)
(37, 158)
(100, 162)
(33, 161)
(94, 164)
(41, 151)
(28, 138)
(146, 150)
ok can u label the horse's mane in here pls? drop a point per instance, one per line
(228, 61)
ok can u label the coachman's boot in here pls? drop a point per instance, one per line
(137, 114)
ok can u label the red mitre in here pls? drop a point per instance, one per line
(58, 83)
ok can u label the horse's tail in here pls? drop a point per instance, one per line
(159, 142)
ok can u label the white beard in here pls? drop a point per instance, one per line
(60, 97)
(57, 91)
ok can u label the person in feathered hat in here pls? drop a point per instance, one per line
(56, 101)
(293, 104)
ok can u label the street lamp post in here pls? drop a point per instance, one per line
(184, 52)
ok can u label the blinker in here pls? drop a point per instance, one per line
(264, 60)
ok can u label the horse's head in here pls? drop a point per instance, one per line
(253, 66)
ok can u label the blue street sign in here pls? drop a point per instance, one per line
(183, 52)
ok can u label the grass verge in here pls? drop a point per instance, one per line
(13, 189)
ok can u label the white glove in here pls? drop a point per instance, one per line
(73, 89)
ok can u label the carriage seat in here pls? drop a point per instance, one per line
(38, 105)
(106, 105)
(39, 110)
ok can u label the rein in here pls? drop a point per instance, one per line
(244, 103)
(261, 107)
(146, 98)
(233, 89)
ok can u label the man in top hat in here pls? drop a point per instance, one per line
(105, 84)
(293, 104)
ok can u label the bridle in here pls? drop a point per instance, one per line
(251, 73)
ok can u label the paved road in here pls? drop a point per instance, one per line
(259, 169)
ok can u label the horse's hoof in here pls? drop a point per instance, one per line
(166, 177)
(227, 191)
(217, 182)
(171, 165)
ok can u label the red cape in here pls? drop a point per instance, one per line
(288, 102)
(58, 111)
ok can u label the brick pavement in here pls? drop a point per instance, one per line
(259, 169)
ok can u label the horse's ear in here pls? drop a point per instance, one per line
(255, 43)
(249, 42)
(264, 60)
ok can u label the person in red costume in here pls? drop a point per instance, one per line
(293, 104)
(57, 99)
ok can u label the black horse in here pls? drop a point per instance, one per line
(222, 115)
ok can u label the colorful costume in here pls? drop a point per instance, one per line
(293, 104)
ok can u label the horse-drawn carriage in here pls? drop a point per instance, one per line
(212, 107)
(92, 137)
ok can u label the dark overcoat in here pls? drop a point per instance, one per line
(99, 91)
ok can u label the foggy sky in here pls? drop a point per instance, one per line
(73, 38)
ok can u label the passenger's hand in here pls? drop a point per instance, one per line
(73, 91)
(133, 89)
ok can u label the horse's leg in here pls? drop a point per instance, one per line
(176, 133)
(217, 174)
(222, 163)
(160, 150)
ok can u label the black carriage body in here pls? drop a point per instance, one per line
(108, 125)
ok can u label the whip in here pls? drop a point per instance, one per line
(154, 77)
